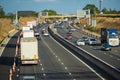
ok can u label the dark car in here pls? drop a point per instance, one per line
(69, 32)
(106, 46)
(37, 35)
(85, 38)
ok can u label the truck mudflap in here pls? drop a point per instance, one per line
(30, 62)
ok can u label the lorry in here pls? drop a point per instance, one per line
(28, 33)
(29, 50)
(32, 24)
(110, 36)
(25, 28)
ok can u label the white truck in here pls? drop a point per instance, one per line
(28, 33)
(32, 24)
(25, 28)
(29, 50)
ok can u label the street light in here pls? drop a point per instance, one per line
(100, 4)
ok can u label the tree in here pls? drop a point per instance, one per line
(105, 11)
(92, 8)
(2, 13)
(50, 12)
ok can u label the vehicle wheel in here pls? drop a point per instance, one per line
(110, 49)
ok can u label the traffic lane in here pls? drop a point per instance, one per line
(7, 57)
(115, 50)
(51, 68)
(30, 70)
(68, 62)
(107, 56)
(103, 55)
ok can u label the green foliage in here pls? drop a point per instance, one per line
(2, 13)
(110, 11)
(92, 7)
(77, 24)
(50, 12)
(105, 11)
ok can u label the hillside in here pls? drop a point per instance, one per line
(107, 22)
(5, 27)
(23, 20)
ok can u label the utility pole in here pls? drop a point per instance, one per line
(100, 5)
(16, 18)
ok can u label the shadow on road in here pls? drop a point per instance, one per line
(6, 61)
(9, 45)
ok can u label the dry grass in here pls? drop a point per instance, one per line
(5, 27)
(104, 22)
(108, 22)
(23, 20)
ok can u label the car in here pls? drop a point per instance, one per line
(85, 38)
(80, 42)
(73, 29)
(69, 32)
(37, 35)
(68, 36)
(92, 41)
(106, 47)
(45, 34)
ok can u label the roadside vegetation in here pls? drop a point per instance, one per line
(5, 27)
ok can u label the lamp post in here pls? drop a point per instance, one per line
(100, 5)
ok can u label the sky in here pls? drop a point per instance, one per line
(60, 6)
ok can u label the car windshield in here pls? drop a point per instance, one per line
(113, 36)
(84, 37)
(106, 45)
(92, 39)
(80, 40)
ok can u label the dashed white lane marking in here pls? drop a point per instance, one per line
(57, 57)
(80, 60)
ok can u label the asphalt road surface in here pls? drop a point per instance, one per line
(55, 63)
(7, 57)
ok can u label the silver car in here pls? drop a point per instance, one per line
(92, 41)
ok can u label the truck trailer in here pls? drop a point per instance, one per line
(29, 50)
(28, 33)
(110, 36)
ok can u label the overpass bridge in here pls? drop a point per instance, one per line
(62, 17)
(59, 16)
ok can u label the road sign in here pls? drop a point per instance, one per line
(83, 13)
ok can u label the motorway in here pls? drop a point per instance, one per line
(111, 57)
(55, 63)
